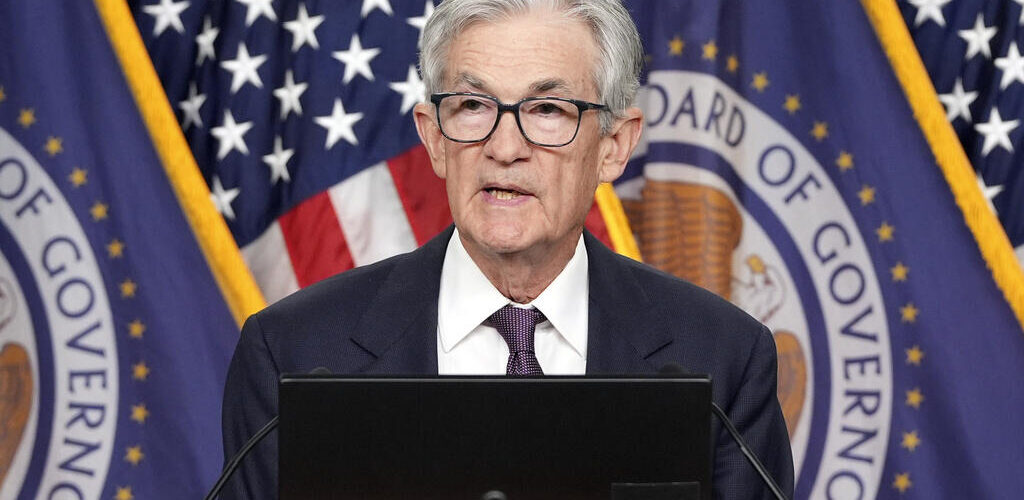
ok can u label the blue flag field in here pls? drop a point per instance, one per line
(797, 161)
(115, 334)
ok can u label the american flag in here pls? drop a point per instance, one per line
(973, 52)
(299, 114)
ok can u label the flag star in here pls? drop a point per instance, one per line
(136, 328)
(792, 103)
(140, 371)
(915, 398)
(978, 38)
(958, 102)
(54, 145)
(421, 21)
(911, 440)
(819, 131)
(412, 89)
(124, 493)
(140, 413)
(899, 272)
(128, 288)
(996, 132)
(289, 95)
(339, 125)
(710, 50)
(914, 357)
(257, 8)
(902, 482)
(909, 313)
(134, 455)
(205, 42)
(760, 81)
(1012, 66)
(115, 249)
(990, 192)
(167, 13)
(229, 135)
(676, 46)
(243, 68)
(79, 176)
(222, 198)
(278, 162)
(190, 108)
(369, 5)
(26, 117)
(303, 29)
(356, 60)
(732, 64)
(929, 9)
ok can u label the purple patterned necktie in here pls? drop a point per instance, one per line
(516, 326)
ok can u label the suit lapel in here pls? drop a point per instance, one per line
(621, 337)
(399, 329)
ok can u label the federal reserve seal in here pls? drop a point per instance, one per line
(731, 200)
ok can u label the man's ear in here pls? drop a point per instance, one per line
(430, 136)
(620, 143)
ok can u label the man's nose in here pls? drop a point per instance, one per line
(507, 144)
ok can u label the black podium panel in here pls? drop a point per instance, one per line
(494, 437)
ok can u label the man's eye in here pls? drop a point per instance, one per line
(547, 108)
(471, 105)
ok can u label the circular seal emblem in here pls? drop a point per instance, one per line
(729, 199)
(58, 355)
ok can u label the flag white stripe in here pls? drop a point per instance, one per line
(372, 216)
(267, 257)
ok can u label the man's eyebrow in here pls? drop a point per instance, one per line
(472, 81)
(548, 85)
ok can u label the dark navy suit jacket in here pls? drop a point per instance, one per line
(382, 319)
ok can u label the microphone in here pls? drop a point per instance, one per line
(676, 369)
(229, 469)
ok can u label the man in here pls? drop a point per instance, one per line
(529, 111)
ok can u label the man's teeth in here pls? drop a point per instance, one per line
(502, 194)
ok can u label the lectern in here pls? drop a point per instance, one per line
(495, 438)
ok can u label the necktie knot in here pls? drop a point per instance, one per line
(516, 325)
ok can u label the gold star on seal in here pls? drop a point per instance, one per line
(134, 455)
(99, 211)
(78, 177)
(845, 161)
(124, 493)
(914, 397)
(115, 248)
(732, 63)
(885, 232)
(27, 117)
(910, 440)
(792, 104)
(902, 482)
(866, 195)
(908, 313)
(819, 131)
(128, 288)
(140, 413)
(3, 95)
(710, 50)
(675, 46)
(914, 356)
(136, 329)
(140, 371)
(54, 145)
(899, 272)
(760, 81)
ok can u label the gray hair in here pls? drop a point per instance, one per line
(620, 54)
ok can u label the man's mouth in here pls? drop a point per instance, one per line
(503, 194)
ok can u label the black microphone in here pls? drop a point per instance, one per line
(229, 469)
(676, 369)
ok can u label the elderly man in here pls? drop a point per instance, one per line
(529, 111)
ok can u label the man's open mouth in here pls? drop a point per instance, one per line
(503, 194)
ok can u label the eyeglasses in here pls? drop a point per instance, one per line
(544, 121)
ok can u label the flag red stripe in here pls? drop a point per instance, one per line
(315, 241)
(422, 193)
(595, 224)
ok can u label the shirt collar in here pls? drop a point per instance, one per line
(467, 298)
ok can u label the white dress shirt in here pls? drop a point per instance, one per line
(467, 346)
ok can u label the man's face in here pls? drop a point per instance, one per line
(506, 194)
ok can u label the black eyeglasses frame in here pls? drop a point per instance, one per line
(514, 109)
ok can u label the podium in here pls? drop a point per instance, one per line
(495, 438)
